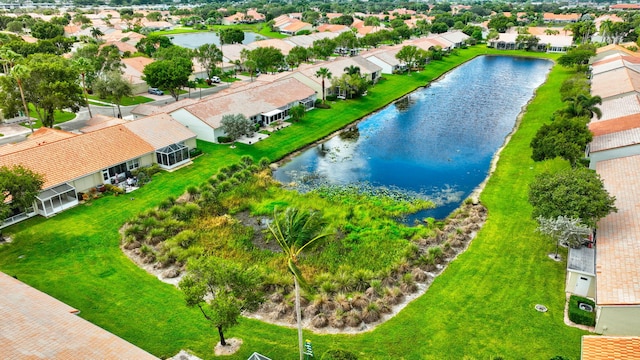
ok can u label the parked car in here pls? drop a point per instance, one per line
(215, 79)
(155, 91)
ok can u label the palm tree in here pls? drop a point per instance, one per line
(323, 73)
(21, 72)
(8, 57)
(84, 65)
(295, 231)
(352, 70)
(583, 105)
(96, 33)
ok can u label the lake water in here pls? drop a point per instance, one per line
(437, 142)
(195, 40)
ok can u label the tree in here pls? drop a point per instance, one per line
(500, 23)
(46, 30)
(267, 58)
(573, 192)
(19, 186)
(352, 70)
(101, 58)
(170, 75)
(222, 290)
(323, 48)
(297, 112)
(564, 137)
(295, 231)
(96, 33)
(231, 36)
(297, 55)
(576, 57)
(53, 85)
(84, 65)
(209, 55)
(19, 73)
(530, 42)
(583, 105)
(236, 126)
(113, 86)
(564, 230)
(408, 54)
(151, 43)
(323, 73)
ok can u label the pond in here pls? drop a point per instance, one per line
(195, 40)
(436, 143)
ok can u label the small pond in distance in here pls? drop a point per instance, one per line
(437, 142)
(195, 40)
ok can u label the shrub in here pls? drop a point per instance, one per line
(578, 315)
(224, 139)
(335, 354)
(194, 152)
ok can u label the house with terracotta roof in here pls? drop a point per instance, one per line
(617, 82)
(610, 347)
(624, 7)
(262, 103)
(72, 163)
(295, 26)
(38, 326)
(335, 28)
(618, 253)
(561, 18)
(386, 59)
(133, 71)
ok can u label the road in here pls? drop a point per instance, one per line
(15, 133)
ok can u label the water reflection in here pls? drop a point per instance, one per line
(437, 142)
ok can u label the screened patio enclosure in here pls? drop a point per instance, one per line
(56, 199)
(171, 156)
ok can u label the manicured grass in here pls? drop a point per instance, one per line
(59, 117)
(126, 101)
(481, 306)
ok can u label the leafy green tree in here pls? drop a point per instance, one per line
(102, 59)
(15, 27)
(237, 125)
(574, 86)
(501, 23)
(529, 42)
(573, 192)
(231, 36)
(371, 21)
(409, 55)
(323, 73)
(564, 230)
(343, 20)
(46, 30)
(151, 43)
(113, 86)
(323, 48)
(577, 57)
(347, 40)
(439, 28)
(222, 290)
(209, 55)
(170, 75)
(565, 137)
(19, 186)
(52, 85)
(84, 66)
(267, 58)
(297, 55)
(295, 231)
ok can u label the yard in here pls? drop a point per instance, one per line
(482, 306)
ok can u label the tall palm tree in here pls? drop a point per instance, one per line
(295, 231)
(84, 65)
(583, 105)
(21, 72)
(96, 33)
(323, 73)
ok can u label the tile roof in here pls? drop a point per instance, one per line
(249, 101)
(138, 63)
(618, 107)
(615, 82)
(296, 26)
(599, 128)
(610, 347)
(100, 121)
(618, 239)
(279, 44)
(561, 17)
(615, 62)
(160, 130)
(37, 326)
(68, 159)
(39, 137)
(615, 140)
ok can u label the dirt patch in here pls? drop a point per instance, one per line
(233, 345)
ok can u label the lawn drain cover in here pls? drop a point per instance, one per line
(541, 308)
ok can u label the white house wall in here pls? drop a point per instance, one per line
(619, 320)
(572, 279)
(386, 68)
(199, 127)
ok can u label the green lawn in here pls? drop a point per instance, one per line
(59, 117)
(126, 101)
(481, 306)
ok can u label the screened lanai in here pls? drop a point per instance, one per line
(173, 155)
(56, 199)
